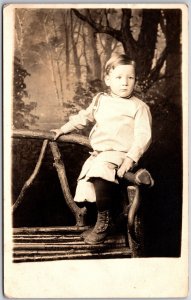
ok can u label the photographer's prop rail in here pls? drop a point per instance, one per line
(60, 243)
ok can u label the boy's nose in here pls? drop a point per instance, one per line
(125, 82)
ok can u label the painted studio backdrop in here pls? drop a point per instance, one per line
(59, 56)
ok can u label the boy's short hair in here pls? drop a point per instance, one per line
(116, 60)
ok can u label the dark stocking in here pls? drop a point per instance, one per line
(105, 192)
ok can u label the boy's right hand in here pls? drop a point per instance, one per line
(58, 132)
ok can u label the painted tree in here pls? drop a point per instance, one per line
(22, 112)
(75, 40)
(173, 60)
(142, 48)
(20, 24)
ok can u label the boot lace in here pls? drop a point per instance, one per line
(103, 221)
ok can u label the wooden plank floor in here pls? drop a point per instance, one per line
(60, 243)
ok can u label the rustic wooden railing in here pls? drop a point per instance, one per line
(142, 177)
(48, 138)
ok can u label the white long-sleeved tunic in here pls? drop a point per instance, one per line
(120, 125)
(122, 128)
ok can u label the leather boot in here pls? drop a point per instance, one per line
(100, 230)
(85, 233)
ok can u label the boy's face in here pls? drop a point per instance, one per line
(121, 80)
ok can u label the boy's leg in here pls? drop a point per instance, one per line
(104, 196)
(104, 190)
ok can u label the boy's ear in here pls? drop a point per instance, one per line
(107, 80)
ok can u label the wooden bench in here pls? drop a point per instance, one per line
(57, 243)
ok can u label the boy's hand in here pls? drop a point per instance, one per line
(58, 132)
(125, 166)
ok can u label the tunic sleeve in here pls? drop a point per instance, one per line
(80, 120)
(142, 133)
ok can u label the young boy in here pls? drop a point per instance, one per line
(120, 136)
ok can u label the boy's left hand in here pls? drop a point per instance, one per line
(125, 166)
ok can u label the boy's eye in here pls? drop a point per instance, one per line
(131, 77)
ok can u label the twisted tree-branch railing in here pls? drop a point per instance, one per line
(42, 135)
(59, 165)
(79, 213)
(29, 182)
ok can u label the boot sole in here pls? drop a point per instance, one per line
(95, 242)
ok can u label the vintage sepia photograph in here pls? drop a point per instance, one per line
(95, 150)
